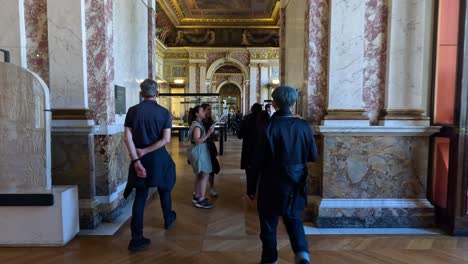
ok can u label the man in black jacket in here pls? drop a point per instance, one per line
(251, 130)
(289, 145)
(147, 132)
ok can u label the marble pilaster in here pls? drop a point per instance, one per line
(406, 68)
(258, 89)
(37, 37)
(264, 82)
(192, 85)
(202, 69)
(197, 78)
(317, 24)
(12, 26)
(67, 54)
(283, 45)
(375, 58)
(347, 55)
(100, 60)
(151, 39)
(253, 83)
(294, 43)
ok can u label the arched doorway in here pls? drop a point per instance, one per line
(230, 95)
(229, 70)
(228, 80)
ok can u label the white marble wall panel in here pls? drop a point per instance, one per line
(406, 54)
(12, 28)
(130, 48)
(67, 52)
(346, 54)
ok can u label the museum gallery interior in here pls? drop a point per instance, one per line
(382, 83)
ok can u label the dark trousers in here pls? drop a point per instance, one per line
(253, 175)
(138, 209)
(294, 227)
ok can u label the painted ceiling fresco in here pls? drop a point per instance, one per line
(227, 8)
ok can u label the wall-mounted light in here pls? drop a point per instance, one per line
(160, 81)
(179, 81)
(275, 81)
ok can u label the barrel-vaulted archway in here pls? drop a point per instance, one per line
(230, 90)
(240, 69)
(226, 61)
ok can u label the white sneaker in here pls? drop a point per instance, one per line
(213, 193)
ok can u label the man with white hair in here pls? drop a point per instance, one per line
(282, 191)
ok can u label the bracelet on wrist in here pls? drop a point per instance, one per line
(135, 160)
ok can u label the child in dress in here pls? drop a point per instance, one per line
(199, 156)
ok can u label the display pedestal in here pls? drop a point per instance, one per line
(52, 225)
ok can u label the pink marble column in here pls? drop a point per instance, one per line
(37, 44)
(151, 42)
(100, 60)
(197, 78)
(375, 58)
(283, 45)
(259, 84)
(317, 26)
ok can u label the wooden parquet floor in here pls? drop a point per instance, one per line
(228, 234)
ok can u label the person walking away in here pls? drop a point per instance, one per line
(282, 187)
(183, 132)
(251, 129)
(199, 156)
(147, 132)
(208, 122)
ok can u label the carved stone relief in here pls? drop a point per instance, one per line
(24, 132)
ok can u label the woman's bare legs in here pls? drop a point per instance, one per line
(202, 181)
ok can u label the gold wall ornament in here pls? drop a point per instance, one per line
(259, 56)
(197, 55)
(273, 55)
(178, 55)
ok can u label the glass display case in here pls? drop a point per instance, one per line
(179, 103)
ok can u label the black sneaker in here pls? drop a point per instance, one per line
(304, 261)
(195, 199)
(170, 221)
(139, 245)
(204, 204)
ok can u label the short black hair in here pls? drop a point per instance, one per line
(256, 108)
(284, 97)
(149, 88)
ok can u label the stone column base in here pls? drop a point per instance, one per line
(373, 213)
(89, 214)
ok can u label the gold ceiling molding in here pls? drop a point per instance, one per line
(272, 53)
(173, 9)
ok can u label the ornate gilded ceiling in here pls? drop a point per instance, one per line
(222, 13)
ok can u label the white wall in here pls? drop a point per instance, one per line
(130, 48)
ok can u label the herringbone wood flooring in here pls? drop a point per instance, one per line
(229, 234)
